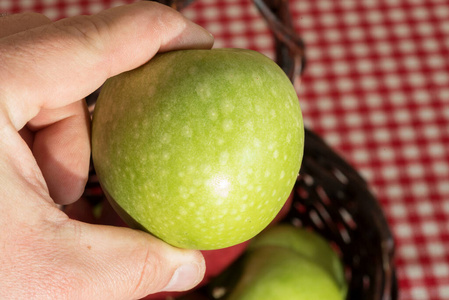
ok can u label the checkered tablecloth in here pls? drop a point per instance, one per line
(376, 88)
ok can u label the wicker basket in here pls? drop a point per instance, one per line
(329, 195)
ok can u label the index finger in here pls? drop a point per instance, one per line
(56, 64)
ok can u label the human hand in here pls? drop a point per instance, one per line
(44, 156)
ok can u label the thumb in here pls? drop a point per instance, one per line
(121, 263)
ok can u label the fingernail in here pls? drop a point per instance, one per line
(184, 278)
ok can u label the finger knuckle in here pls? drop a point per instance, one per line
(150, 277)
(87, 30)
(170, 20)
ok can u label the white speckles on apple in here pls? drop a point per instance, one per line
(282, 175)
(200, 211)
(257, 143)
(224, 158)
(273, 113)
(212, 114)
(165, 156)
(289, 138)
(136, 135)
(191, 169)
(144, 160)
(275, 154)
(203, 90)
(127, 159)
(220, 226)
(267, 173)
(166, 116)
(183, 191)
(227, 107)
(249, 125)
(274, 193)
(228, 125)
(231, 77)
(165, 139)
(136, 125)
(186, 131)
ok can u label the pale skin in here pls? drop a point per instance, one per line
(46, 68)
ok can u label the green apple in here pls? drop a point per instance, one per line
(278, 273)
(308, 244)
(201, 148)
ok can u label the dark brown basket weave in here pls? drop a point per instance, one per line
(329, 195)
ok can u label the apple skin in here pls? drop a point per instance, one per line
(201, 148)
(278, 273)
(306, 243)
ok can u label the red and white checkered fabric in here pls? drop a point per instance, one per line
(376, 87)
